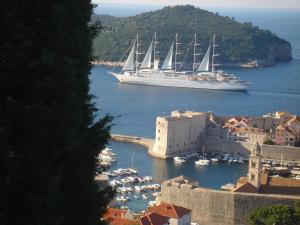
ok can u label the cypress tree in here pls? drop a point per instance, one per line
(48, 136)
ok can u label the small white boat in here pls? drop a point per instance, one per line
(228, 187)
(133, 171)
(124, 207)
(145, 196)
(202, 162)
(144, 188)
(137, 188)
(179, 159)
(152, 203)
(156, 186)
(154, 194)
(136, 197)
(107, 155)
(122, 199)
(148, 178)
(215, 159)
(241, 160)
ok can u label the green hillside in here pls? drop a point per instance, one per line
(238, 42)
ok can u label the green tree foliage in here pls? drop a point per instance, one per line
(48, 136)
(238, 42)
(269, 142)
(276, 215)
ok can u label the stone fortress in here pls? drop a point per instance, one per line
(188, 131)
(216, 207)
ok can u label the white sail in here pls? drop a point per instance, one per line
(204, 66)
(167, 65)
(146, 64)
(129, 64)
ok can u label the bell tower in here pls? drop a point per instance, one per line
(255, 166)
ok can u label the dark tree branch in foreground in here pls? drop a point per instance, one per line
(48, 138)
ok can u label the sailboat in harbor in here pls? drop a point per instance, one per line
(203, 161)
(204, 76)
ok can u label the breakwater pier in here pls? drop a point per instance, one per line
(146, 142)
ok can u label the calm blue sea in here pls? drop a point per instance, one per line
(136, 107)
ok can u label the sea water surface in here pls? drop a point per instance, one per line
(136, 107)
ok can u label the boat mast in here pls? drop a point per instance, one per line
(176, 51)
(213, 56)
(154, 47)
(137, 54)
(194, 61)
(175, 64)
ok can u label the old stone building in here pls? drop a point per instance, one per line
(179, 133)
(285, 135)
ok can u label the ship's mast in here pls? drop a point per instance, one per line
(213, 55)
(154, 46)
(195, 54)
(154, 51)
(176, 51)
(137, 54)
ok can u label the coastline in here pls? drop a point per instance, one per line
(107, 63)
(244, 65)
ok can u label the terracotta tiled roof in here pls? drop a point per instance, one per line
(246, 187)
(290, 130)
(170, 210)
(122, 221)
(112, 213)
(280, 185)
(153, 219)
(252, 130)
(286, 128)
(295, 119)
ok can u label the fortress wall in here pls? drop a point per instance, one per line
(213, 144)
(215, 207)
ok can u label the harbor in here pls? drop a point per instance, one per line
(133, 155)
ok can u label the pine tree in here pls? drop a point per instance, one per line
(48, 136)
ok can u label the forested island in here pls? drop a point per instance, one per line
(240, 44)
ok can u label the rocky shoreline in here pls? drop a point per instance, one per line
(107, 63)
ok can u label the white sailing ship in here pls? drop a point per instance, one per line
(203, 76)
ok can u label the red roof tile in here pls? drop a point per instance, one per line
(246, 187)
(170, 210)
(112, 213)
(153, 219)
(122, 221)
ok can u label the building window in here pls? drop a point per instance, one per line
(291, 139)
(252, 176)
(253, 164)
(158, 138)
(158, 130)
(177, 145)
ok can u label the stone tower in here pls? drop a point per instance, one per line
(255, 166)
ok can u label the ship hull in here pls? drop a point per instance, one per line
(180, 81)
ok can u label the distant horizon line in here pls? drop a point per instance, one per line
(197, 6)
